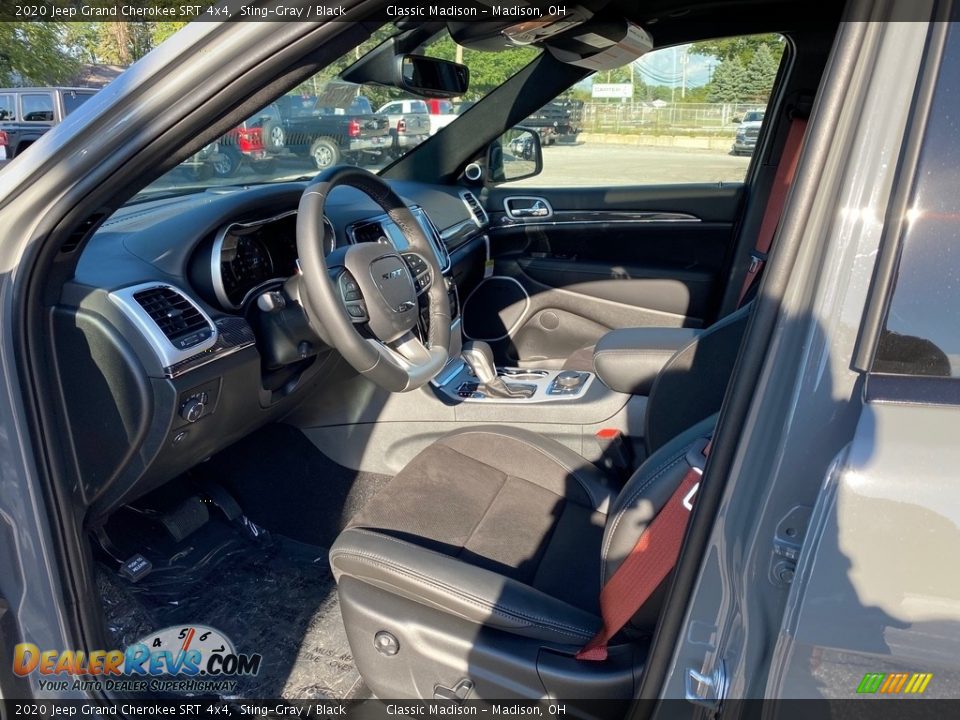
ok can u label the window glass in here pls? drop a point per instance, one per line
(683, 114)
(37, 107)
(921, 333)
(8, 107)
(325, 122)
(73, 100)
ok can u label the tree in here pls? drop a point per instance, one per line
(760, 75)
(113, 43)
(160, 31)
(741, 48)
(729, 82)
(32, 53)
(487, 69)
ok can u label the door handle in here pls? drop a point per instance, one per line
(533, 207)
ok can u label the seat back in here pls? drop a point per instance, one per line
(645, 493)
(691, 386)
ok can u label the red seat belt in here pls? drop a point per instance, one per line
(650, 561)
(778, 198)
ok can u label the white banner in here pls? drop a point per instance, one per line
(612, 90)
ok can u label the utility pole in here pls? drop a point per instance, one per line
(684, 60)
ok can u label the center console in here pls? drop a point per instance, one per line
(474, 377)
(459, 383)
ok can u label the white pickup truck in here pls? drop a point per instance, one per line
(441, 112)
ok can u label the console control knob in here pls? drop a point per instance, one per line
(192, 409)
(568, 379)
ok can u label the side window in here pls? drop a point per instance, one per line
(393, 108)
(8, 107)
(683, 114)
(73, 100)
(921, 333)
(37, 107)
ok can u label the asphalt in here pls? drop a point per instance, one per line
(574, 165)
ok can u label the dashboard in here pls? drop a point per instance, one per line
(166, 307)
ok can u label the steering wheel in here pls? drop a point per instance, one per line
(370, 286)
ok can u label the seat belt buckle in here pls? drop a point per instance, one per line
(757, 259)
(614, 452)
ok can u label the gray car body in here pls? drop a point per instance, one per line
(801, 446)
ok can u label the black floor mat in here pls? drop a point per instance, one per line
(278, 599)
(285, 484)
(263, 579)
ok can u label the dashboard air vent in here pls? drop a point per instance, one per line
(368, 232)
(476, 209)
(178, 318)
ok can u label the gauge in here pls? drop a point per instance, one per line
(245, 263)
(252, 264)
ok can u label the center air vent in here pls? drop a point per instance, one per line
(368, 232)
(178, 318)
(475, 208)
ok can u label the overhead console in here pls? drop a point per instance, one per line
(576, 36)
(601, 44)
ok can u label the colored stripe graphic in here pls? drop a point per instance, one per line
(870, 683)
(894, 683)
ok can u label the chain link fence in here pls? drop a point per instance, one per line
(669, 118)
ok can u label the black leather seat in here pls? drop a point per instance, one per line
(479, 566)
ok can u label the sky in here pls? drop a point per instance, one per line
(657, 68)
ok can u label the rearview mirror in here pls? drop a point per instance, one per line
(388, 65)
(514, 155)
(432, 77)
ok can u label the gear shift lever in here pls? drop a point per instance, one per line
(479, 357)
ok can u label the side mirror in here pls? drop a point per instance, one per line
(738, 120)
(514, 155)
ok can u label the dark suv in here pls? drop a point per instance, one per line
(27, 113)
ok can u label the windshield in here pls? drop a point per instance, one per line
(325, 121)
(753, 117)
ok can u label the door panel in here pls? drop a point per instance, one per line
(601, 259)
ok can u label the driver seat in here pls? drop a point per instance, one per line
(476, 572)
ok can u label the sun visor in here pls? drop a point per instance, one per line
(601, 44)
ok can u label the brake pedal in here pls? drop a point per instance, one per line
(186, 518)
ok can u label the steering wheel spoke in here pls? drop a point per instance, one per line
(352, 297)
(410, 348)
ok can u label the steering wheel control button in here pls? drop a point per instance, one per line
(420, 270)
(356, 311)
(386, 643)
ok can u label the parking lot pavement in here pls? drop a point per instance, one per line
(574, 165)
(599, 165)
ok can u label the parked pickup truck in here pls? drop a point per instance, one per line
(409, 123)
(27, 113)
(442, 113)
(336, 125)
(256, 141)
(557, 121)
